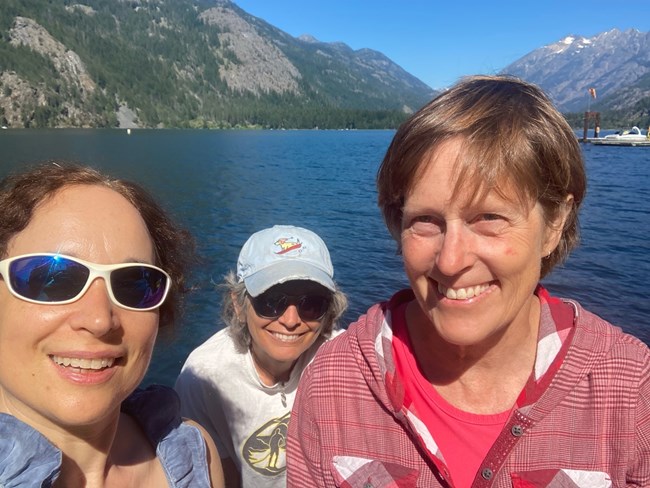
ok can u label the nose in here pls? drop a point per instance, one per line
(94, 310)
(455, 253)
(290, 318)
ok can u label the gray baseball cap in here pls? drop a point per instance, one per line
(284, 253)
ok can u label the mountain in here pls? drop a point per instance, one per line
(208, 63)
(615, 63)
(186, 63)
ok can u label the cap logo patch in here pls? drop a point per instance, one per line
(287, 244)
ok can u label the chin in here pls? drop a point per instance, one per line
(462, 335)
(88, 409)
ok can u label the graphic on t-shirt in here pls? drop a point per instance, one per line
(265, 449)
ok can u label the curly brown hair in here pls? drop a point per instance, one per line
(22, 193)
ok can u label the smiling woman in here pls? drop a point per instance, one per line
(87, 277)
(280, 307)
(476, 375)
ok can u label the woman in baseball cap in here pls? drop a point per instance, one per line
(279, 307)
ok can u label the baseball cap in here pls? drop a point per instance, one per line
(283, 253)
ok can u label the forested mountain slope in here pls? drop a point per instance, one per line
(186, 63)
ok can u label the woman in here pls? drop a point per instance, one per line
(91, 266)
(240, 384)
(476, 375)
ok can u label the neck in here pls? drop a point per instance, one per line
(511, 345)
(123, 458)
(86, 459)
(271, 372)
(467, 377)
(112, 452)
(97, 436)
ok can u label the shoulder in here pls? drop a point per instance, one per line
(212, 455)
(181, 445)
(216, 367)
(593, 328)
(357, 347)
(156, 409)
(608, 348)
(212, 354)
(220, 341)
(369, 326)
(25, 454)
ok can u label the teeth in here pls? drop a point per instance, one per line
(285, 337)
(96, 363)
(462, 293)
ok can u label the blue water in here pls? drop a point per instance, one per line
(225, 185)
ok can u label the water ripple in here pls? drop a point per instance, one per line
(224, 185)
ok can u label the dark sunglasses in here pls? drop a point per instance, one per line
(57, 279)
(271, 305)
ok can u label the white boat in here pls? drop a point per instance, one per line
(632, 137)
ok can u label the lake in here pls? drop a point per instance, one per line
(225, 185)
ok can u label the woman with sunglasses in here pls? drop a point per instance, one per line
(90, 268)
(240, 384)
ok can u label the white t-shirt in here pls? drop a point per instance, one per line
(221, 390)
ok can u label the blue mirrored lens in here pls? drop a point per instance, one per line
(47, 278)
(52, 279)
(138, 286)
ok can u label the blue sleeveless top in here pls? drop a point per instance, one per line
(27, 458)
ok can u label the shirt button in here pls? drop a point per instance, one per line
(486, 473)
(367, 484)
(517, 430)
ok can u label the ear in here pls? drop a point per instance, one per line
(555, 227)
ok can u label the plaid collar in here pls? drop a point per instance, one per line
(556, 327)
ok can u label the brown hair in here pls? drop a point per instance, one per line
(22, 193)
(512, 136)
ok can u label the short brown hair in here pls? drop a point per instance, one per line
(22, 193)
(511, 135)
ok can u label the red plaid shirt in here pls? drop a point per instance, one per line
(583, 420)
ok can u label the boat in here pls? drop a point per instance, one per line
(631, 137)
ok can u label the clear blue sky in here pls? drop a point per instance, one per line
(439, 41)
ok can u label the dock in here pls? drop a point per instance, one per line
(601, 141)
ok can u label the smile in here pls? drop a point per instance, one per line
(286, 337)
(462, 293)
(81, 363)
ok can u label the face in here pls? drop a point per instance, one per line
(473, 266)
(73, 364)
(279, 342)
